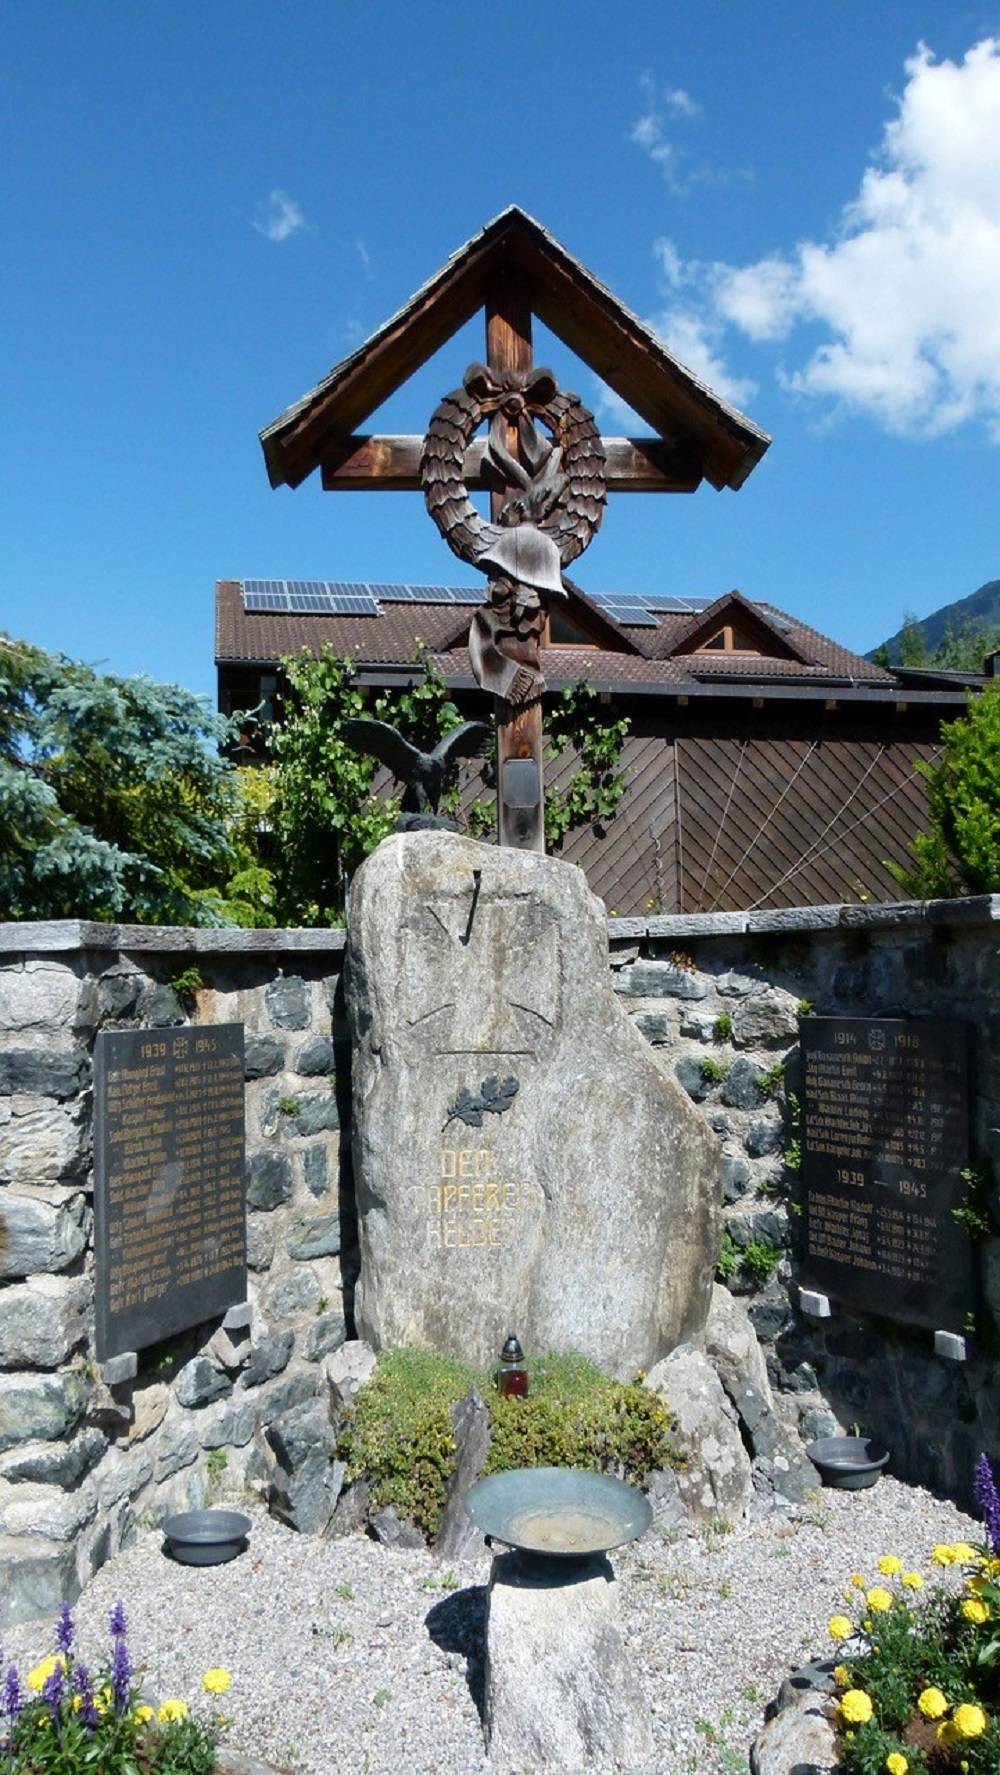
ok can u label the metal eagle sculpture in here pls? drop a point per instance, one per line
(422, 773)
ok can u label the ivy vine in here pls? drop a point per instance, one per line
(322, 816)
(592, 795)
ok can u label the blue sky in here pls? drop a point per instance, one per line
(207, 205)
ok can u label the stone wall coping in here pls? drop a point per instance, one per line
(980, 909)
(65, 936)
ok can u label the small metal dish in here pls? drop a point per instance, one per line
(206, 1537)
(558, 1513)
(851, 1463)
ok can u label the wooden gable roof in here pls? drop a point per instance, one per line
(722, 443)
(733, 608)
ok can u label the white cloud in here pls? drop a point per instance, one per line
(364, 255)
(694, 338)
(907, 290)
(280, 217)
(650, 134)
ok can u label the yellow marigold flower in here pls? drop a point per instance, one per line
(172, 1710)
(962, 1553)
(912, 1580)
(839, 1627)
(969, 1720)
(974, 1609)
(889, 1565)
(143, 1714)
(856, 1707)
(896, 1763)
(38, 1677)
(857, 1580)
(942, 1554)
(879, 1600)
(841, 1676)
(932, 1703)
(216, 1681)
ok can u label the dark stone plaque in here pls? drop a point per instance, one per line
(885, 1138)
(170, 1229)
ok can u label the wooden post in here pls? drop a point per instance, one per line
(520, 792)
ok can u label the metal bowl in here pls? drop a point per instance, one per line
(849, 1462)
(558, 1512)
(206, 1537)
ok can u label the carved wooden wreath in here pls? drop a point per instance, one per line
(558, 488)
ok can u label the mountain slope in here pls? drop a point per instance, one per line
(981, 609)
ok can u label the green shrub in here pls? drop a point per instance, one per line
(728, 1261)
(713, 1070)
(399, 1435)
(760, 1260)
(188, 984)
(722, 1028)
(960, 853)
(753, 1262)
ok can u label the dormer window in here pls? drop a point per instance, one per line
(561, 631)
(729, 639)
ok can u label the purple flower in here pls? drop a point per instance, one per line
(118, 1621)
(85, 1690)
(65, 1631)
(988, 1499)
(13, 1696)
(53, 1687)
(121, 1674)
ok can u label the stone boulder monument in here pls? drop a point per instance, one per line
(522, 1160)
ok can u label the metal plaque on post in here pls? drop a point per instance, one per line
(169, 1210)
(885, 1139)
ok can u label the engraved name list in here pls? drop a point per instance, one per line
(170, 1234)
(885, 1138)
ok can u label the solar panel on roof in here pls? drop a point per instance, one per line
(468, 594)
(352, 606)
(633, 616)
(261, 601)
(669, 605)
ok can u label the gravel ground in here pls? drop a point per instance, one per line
(353, 1659)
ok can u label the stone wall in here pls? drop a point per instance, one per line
(722, 994)
(81, 1461)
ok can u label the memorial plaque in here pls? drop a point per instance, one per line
(170, 1230)
(885, 1138)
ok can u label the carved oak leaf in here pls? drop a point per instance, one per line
(494, 1097)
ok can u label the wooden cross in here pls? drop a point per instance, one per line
(514, 268)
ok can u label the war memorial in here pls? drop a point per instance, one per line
(740, 1162)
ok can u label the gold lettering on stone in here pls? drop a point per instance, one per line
(468, 1208)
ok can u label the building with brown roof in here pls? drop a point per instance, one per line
(766, 765)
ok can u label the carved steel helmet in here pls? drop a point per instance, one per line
(528, 556)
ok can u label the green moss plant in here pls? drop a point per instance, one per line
(399, 1433)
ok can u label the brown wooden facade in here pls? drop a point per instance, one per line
(756, 778)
